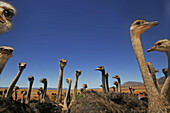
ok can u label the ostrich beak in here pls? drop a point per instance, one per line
(151, 49)
(151, 23)
(97, 69)
(156, 70)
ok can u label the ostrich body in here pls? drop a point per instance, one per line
(6, 13)
(155, 104)
(44, 81)
(23, 94)
(164, 46)
(153, 71)
(5, 54)
(15, 90)
(67, 93)
(107, 84)
(101, 68)
(78, 73)
(22, 66)
(62, 63)
(31, 80)
(119, 82)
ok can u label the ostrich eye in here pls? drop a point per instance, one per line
(159, 43)
(138, 23)
(8, 14)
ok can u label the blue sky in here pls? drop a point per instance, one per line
(88, 33)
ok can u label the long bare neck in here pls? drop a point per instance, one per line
(59, 90)
(3, 60)
(22, 99)
(11, 87)
(107, 85)
(29, 93)
(103, 81)
(75, 89)
(45, 90)
(15, 95)
(147, 78)
(67, 96)
(155, 104)
(165, 92)
(119, 86)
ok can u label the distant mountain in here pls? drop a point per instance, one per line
(161, 80)
(132, 83)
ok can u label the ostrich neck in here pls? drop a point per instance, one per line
(3, 60)
(147, 78)
(75, 89)
(59, 92)
(165, 92)
(29, 93)
(45, 90)
(107, 85)
(15, 95)
(22, 100)
(67, 95)
(11, 87)
(103, 81)
(119, 86)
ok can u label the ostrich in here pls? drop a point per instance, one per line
(164, 46)
(22, 66)
(23, 94)
(119, 82)
(81, 92)
(165, 71)
(113, 88)
(152, 70)
(5, 54)
(84, 87)
(15, 90)
(107, 85)
(101, 68)
(116, 84)
(62, 63)
(44, 81)
(130, 89)
(31, 80)
(66, 103)
(41, 91)
(38, 93)
(78, 73)
(155, 104)
(6, 13)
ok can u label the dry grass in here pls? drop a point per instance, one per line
(138, 89)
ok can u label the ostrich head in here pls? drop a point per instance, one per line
(78, 73)
(6, 50)
(44, 80)
(117, 77)
(68, 80)
(31, 78)
(6, 13)
(140, 26)
(63, 63)
(161, 45)
(24, 92)
(84, 86)
(100, 68)
(22, 65)
(40, 89)
(115, 83)
(106, 74)
(16, 88)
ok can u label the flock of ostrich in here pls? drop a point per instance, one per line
(90, 100)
